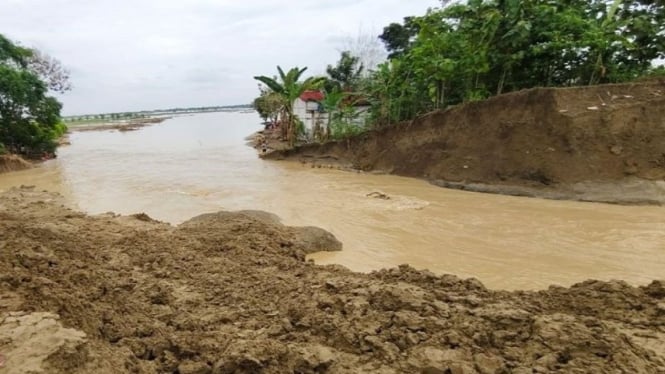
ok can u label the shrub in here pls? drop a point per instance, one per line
(341, 130)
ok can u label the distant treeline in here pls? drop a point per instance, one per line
(149, 113)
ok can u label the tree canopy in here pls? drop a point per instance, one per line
(346, 74)
(29, 117)
(471, 50)
(268, 105)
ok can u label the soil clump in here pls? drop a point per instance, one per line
(13, 163)
(231, 292)
(267, 141)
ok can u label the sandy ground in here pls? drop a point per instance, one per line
(131, 125)
(269, 140)
(232, 293)
(13, 163)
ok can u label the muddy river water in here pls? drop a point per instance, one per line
(195, 164)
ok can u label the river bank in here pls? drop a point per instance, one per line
(13, 163)
(130, 125)
(195, 164)
(231, 292)
(267, 141)
(598, 143)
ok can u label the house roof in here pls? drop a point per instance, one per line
(312, 95)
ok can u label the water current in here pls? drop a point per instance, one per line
(195, 164)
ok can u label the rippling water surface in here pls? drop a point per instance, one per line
(194, 164)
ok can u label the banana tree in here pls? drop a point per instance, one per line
(289, 87)
(331, 103)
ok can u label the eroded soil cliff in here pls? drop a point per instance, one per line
(13, 163)
(600, 143)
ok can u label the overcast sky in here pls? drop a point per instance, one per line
(144, 54)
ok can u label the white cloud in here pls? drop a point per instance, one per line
(143, 54)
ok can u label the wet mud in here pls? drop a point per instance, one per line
(231, 292)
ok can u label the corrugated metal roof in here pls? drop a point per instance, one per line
(312, 95)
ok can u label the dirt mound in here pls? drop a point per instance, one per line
(231, 293)
(44, 337)
(542, 139)
(13, 163)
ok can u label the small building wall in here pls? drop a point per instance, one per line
(308, 112)
(362, 112)
(300, 109)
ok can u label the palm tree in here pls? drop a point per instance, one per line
(289, 88)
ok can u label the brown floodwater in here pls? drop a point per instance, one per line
(195, 164)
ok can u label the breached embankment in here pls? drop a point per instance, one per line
(13, 163)
(600, 143)
(232, 293)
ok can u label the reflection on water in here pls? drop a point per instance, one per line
(195, 164)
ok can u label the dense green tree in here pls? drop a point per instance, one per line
(346, 74)
(473, 49)
(399, 37)
(29, 118)
(269, 105)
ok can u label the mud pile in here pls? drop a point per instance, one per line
(558, 143)
(232, 293)
(13, 163)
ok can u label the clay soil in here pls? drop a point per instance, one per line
(232, 293)
(13, 163)
(271, 138)
(559, 143)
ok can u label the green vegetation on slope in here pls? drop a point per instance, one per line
(471, 50)
(475, 49)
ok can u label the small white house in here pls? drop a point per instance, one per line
(309, 110)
